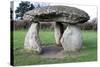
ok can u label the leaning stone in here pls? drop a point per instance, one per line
(71, 39)
(58, 31)
(32, 41)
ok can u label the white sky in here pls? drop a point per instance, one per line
(91, 10)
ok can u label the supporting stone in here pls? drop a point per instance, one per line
(58, 31)
(32, 41)
(71, 39)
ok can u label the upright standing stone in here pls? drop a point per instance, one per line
(71, 39)
(58, 28)
(32, 41)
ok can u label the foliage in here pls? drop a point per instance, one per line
(90, 25)
(24, 24)
(24, 6)
(21, 24)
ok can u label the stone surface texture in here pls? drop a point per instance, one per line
(32, 41)
(58, 13)
(71, 39)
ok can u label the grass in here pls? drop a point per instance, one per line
(88, 53)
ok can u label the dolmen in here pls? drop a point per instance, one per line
(70, 38)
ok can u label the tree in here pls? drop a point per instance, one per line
(24, 6)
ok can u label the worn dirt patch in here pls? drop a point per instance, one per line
(52, 52)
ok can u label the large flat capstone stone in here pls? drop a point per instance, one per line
(64, 14)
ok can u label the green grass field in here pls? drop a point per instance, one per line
(88, 52)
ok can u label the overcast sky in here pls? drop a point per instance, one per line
(91, 10)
